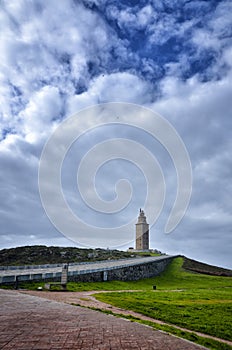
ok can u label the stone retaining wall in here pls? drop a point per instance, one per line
(130, 273)
(124, 273)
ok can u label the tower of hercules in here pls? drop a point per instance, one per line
(142, 232)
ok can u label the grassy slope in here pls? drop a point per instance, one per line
(40, 254)
(193, 265)
(203, 303)
(176, 277)
(144, 284)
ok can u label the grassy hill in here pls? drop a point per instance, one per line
(41, 254)
(197, 302)
(196, 266)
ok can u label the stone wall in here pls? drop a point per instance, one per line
(130, 273)
(125, 273)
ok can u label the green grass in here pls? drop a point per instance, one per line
(207, 342)
(194, 301)
(175, 277)
(206, 311)
(144, 284)
(144, 254)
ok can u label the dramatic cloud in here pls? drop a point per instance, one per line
(174, 57)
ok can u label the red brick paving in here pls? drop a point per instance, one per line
(87, 299)
(29, 322)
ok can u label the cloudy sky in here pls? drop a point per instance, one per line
(173, 57)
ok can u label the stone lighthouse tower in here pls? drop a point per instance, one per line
(142, 232)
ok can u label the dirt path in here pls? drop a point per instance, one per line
(87, 299)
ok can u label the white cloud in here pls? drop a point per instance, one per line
(43, 108)
(205, 39)
(201, 114)
(220, 24)
(121, 87)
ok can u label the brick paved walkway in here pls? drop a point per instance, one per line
(87, 299)
(29, 322)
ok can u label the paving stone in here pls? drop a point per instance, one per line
(30, 322)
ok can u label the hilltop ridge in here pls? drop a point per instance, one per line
(41, 254)
(197, 266)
